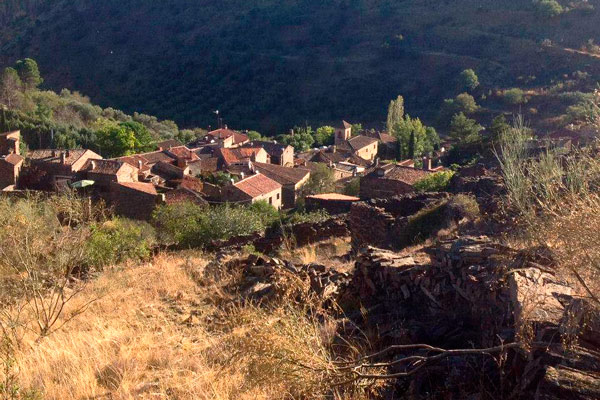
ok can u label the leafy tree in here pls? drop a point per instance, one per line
(254, 135)
(514, 96)
(321, 180)
(324, 135)
(395, 113)
(356, 129)
(115, 140)
(10, 87)
(302, 139)
(413, 140)
(433, 139)
(186, 136)
(548, 8)
(437, 182)
(29, 73)
(469, 79)
(464, 130)
(466, 103)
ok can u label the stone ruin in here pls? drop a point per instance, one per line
(472, 292)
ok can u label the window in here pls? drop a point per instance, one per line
(277, 196)
(270, 200)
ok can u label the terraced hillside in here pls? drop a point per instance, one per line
(269, 64)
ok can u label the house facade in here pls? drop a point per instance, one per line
(10, 143)
(390, 180)
(252, 189)
(10, 168)
(290, 179)
(106, 172)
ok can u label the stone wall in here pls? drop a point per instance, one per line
(379, 222)
(296, 236)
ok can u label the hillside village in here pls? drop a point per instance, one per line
(175, 172)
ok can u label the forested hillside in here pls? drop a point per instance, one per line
(269, 65)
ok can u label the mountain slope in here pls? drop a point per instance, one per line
(271, 64)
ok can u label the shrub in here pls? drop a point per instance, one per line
(119, 240)
(189, 225)
(514, 96)
(437, 182)
(548, 8)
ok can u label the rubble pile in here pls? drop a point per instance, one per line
(265, 278)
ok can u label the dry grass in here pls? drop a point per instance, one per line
(165, 330)
(330, 253)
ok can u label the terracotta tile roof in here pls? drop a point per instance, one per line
(360, 142)
(400, 173)
(282, 175)
(154, 157)
(344, 125)
(189, 182)
(167, 144)
(224, 133)
(333, 196)
(407, 163)
(385, 137)
(257, 185)
(182, 152)
(13, 159)
(231, 156)
(182, 195)
(106, 167)
(204, 165)
(272, 148)
(54, 156)
(134, 161)
(140, 187)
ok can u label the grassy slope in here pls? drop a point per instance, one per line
(270, 64)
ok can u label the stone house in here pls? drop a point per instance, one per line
(10, 143)
(135, 200)
(342, 132)
(106, 172)
(61, 162)
(10, 168)
(291, 180)
(391, 180)
(252, 189)
(364, 147)
(279, 154)
(224, 137)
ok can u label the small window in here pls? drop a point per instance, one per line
(277, 196)
(270, 200)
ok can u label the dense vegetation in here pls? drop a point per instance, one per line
(271, 65)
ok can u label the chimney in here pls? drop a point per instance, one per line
(242, 175)
(377, 162)
(140, 164)
(93, 164)
(63, 158)
(426, 163)
(292, 132)
(53, 153)
(68, 153)
(334, 149)
(226, 126)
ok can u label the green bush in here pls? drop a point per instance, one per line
(189, 225)
(514, 96)
(437, 182)
(119, 240)
(548, 8)
(312, 217)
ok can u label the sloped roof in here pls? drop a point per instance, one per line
(167, 144)
(282, 175)
(181, 195)
(257, 185)
(344, 125)
(154, 157)
(13, 159)
(147, 188)
(225, 133)
(106, 167)
(231, 156)
(271, 148)
(51, 155)
(333, 197)
(400, 173)
(182, 152)
(359, 142)
(134, 161)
